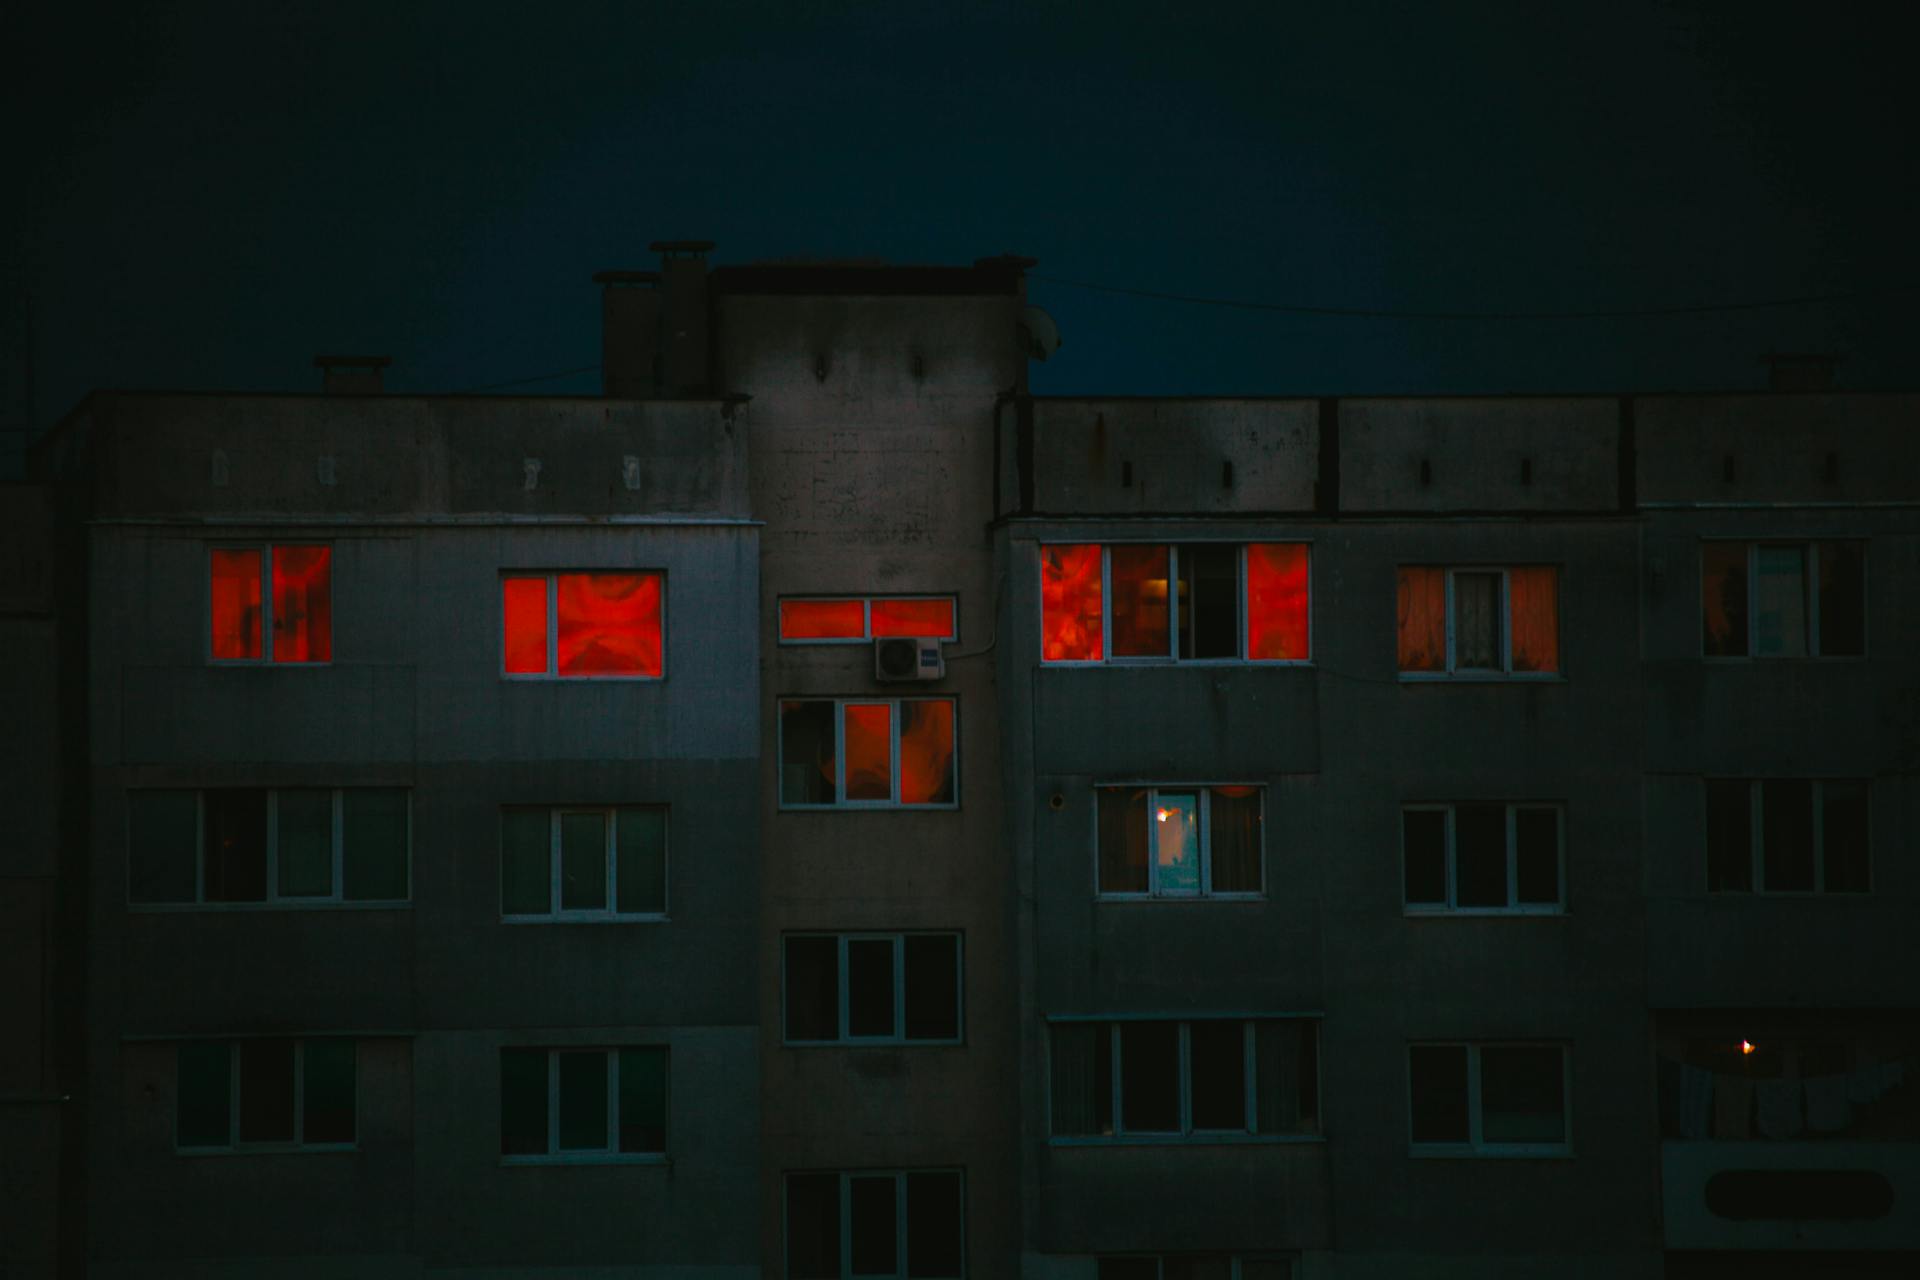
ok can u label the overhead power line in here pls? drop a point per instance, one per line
(1387, 313)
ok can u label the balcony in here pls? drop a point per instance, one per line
(1791, 1195)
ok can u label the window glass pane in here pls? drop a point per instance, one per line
(1781, 605)
(1843, 828)
(1076, 1082)
(870, 987)
(523, 1102)
(1218, 1075)
(643, 1099)
(1123, 839)
(1723, 599)
(327, 1091)
(1233, 837)
(373, 851)
(1423, 619)
(1843, 599)
(1070, 604)
(913, 618)
(302, 604)
(1476, 622)
(1129, 1269)
(1150, 1077)
(806, 753)
(1521, 1094)
(813, 988)
(1208, 608)
(1176, 842)
(873, 1227)
(1786, 840)
(1277, 601)
(813, 1226)
(933, 1225)
(201, 1114)
(1196, 1266)
(523, 608)
(266, 1091)
(1286, 1084)
(1537, 855)
(1423, 840)
(526, 862)
(926, 752)
(583, 861)
(1265, 1269)
(234, 588)
(823, 619)
(1729, 834)
(305, 835)
(583, 1101)
(867, 731)
(640, 837)
(933, 987)
(1438, 1074)
(1138, 578)
(236, 845)
(607, 624)
(162, 827)
(1533, 602)
(1480, 855)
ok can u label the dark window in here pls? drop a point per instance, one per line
(1812, 835)
(1522, 1099)
(874, 1225)
(1214, 1095)
(583, 861)
(202, 1115)
(583, 1101)
(374, 844)
(1480, 854)
(1209, 604)
(1424, 837)
(913, 1218)
(1439, 1078)
(265, 1092)
(1786, 808)
(1482, 857)
(1123, 839)
(933, 987)
(1843, 599)
(611, 1102)
(1219, 1075)
(1536, 833)
(643, 1100)
(526, 854)
(813, 1226)
(807, 756)
(1723, 595)
(876, 979)
(933, 1225)
(304, 836)
(813, 988)
(162, 831)
(1729, 834)
(236, 845)
(1150, 1077)
(328, 1090)
(606, 862)
(523, 1102)
(870, 987)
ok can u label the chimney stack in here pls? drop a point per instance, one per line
(351, 375)
(684, 355)
(629, 333)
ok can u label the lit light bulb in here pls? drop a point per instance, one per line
(1164, 813)
(1746, 1046)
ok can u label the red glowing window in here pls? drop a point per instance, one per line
(1070, 604)
(1138, 577)
(867, 752)
(583, 625)
(1277, 602)
(857, 618)
(1479, 621)
(1533, 603)
(291, 622)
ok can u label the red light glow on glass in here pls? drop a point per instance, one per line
(608, 624)
(926, 753)
(867, 740)
(1277, 601)
(523, 605)
(823, 620)
(1070, 603)
(236, 603)
(913, 617)
(302, 604)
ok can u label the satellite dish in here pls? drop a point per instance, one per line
(1041, 333)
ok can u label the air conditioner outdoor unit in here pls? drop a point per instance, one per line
(907, 658)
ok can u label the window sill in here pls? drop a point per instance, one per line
(1212, 663)
(271, 1149)
(1445, 913)
(293, 904)
(1820, 895)
(1740, 659)
(530, 678)
(1189, 1140)
(869, 806)
(1464, 1151)
(602, 918)
(1481, 677)
(873, 1043)
(1179, 897)
(588, 1158)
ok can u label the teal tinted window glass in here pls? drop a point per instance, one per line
(374, 844)
(640, 837)
(203, 1115)
(305, 843)
(583, 1101)
(583, 861)
(525, 862)
(162, 827)
(643, 1099)
(327, 1091)
(523, 1102)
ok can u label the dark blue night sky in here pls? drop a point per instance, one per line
(214, 193)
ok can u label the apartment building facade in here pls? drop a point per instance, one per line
(820, 810)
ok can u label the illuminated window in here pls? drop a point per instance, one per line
(1479, 858)
(1179, 842)
(884, 1224)
(1783, 599)
(1179, 602)
(1787, 835)
(1488, 1099)
(867, 752)
(1194, 1266)
(872, 988)
(1218, 1077)
(583, 1105)
(600, 625)
(1479, 622)
(266, 1094)
(583, 863)
(272, 603)
(852, 619)
(289, 847)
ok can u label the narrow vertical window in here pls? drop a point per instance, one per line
(1208, 608)
(305, 838)
(523, 607)
(1729, 835)
(203, 1102)
(328, 1090)
(266, 1091)
(823, 619)
(1176, 842)
(1439, 1093)
(1476, 622)
(302, 603)
(1786, 840)
(1780, 602)
(1843, 600)
(808, 775)
(1234, 838)
(583, 861)
(1723, 598)
(867, 742)
(234, 859)
(1533, 595)
(1423, 619)
(1123, 839)
(1070, 603)
(1218, 1075)
(1150, 1077)
(1137, 576)
(926, 751)
(1277, 596)
(237, 615)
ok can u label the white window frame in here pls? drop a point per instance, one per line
(233, 1145)
(840, 800)
(611, 1153)
(1757, 839)
(274, 899)
(844, 979)
(266, 550)
(866, 613)
(1187, 1134)
(845, 1200)
(1476, 1144)
(1172, 656)
(1206, 891)
(552, 672)
(1810, 558)
(1236, 1259)
(557, 913)
(1514, 906)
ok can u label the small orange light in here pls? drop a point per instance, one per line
(1164, 813)
(1746, 1046)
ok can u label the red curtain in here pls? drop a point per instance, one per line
(523, 610)
(823, 620)
(1423, 619)
(1070, 603)
(926, 752)
(913, 617)
(1277, 601)
(302, 604)
(236, 604)
(608, 624)
(867, 742)
(1138, 577)
(1533, 598)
